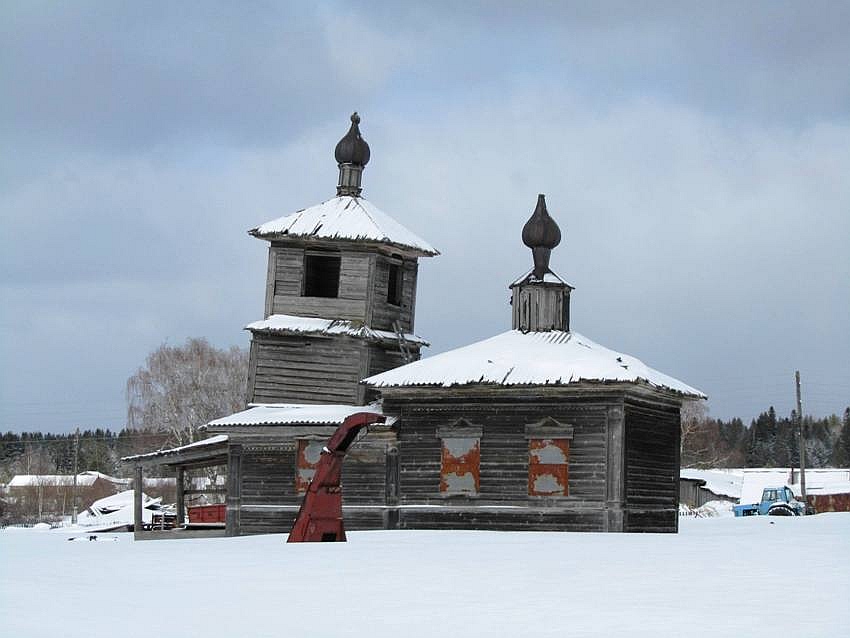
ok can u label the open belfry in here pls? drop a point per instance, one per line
(538, 428)
(340, 294)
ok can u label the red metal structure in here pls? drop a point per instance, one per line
(320, 516)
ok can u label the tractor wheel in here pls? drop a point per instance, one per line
(780, 510)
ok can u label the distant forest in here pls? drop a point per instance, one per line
(99, 450)
(768, 441)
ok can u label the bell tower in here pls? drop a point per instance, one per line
(540, 299)
(340, 294)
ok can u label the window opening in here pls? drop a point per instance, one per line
(321, 275)
(394, 285)
(548, 467)
(460, 465)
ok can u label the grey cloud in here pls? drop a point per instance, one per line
(119, 76)
(695, 159)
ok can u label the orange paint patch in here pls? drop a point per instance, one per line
(548, 467)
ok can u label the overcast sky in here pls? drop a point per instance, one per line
(696, 158)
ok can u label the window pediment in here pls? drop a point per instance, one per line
(460, 429)
(549, 428)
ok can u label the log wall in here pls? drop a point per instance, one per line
(503, 501)
(294, 369)
(652, 467)
(316, 369)
(363, 282)
(270, 500)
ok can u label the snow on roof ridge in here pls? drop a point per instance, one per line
(344, 217)
(318, 325)
(532, 358)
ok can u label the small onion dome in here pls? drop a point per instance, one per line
(352, 149)
(541, 234)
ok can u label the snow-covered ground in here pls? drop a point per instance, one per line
(754, 576)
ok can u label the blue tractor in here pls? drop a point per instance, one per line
(775, 501)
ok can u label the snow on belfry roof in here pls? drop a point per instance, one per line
(344, 217)
(317, 325)
(293, 414)
(533, 358)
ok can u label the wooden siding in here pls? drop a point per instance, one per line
(540, 307)
(622, 472)
(504, 461)
(293, 369)
(309, 369)
(652, 468)
(363, 284)
(384, 314)
(287, 287)
(269, 494)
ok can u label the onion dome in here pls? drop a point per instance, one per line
(541, 234)
(352, 149)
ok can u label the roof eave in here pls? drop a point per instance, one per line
(413, 251)
(582, 384)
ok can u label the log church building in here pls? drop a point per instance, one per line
(537, 428)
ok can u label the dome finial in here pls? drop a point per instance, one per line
(541, 234)
(352, 154)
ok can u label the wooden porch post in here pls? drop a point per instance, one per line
(234, 490)
(137, 501)
(181, 507)
(615, 485)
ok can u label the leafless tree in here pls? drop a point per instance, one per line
(181, 388)
(700, 437)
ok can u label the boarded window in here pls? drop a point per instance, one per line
(321, 275)
(461, 460)
(548, 467)
(394, 284)
(308, 453)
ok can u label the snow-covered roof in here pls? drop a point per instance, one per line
(317, 325)
(548, 278)
(213, 440)
(344, 217)
(720, 482)
(293, 414)
(84, 479)
(533, 358)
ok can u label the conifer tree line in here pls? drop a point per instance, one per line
(100, 450)
(768, 441)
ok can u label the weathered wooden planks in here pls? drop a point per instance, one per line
(651, 467)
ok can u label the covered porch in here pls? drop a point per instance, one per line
(215, 451)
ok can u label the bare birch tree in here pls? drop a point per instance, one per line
(181, 388)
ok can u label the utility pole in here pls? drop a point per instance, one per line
(802, 441)
(76, 460)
